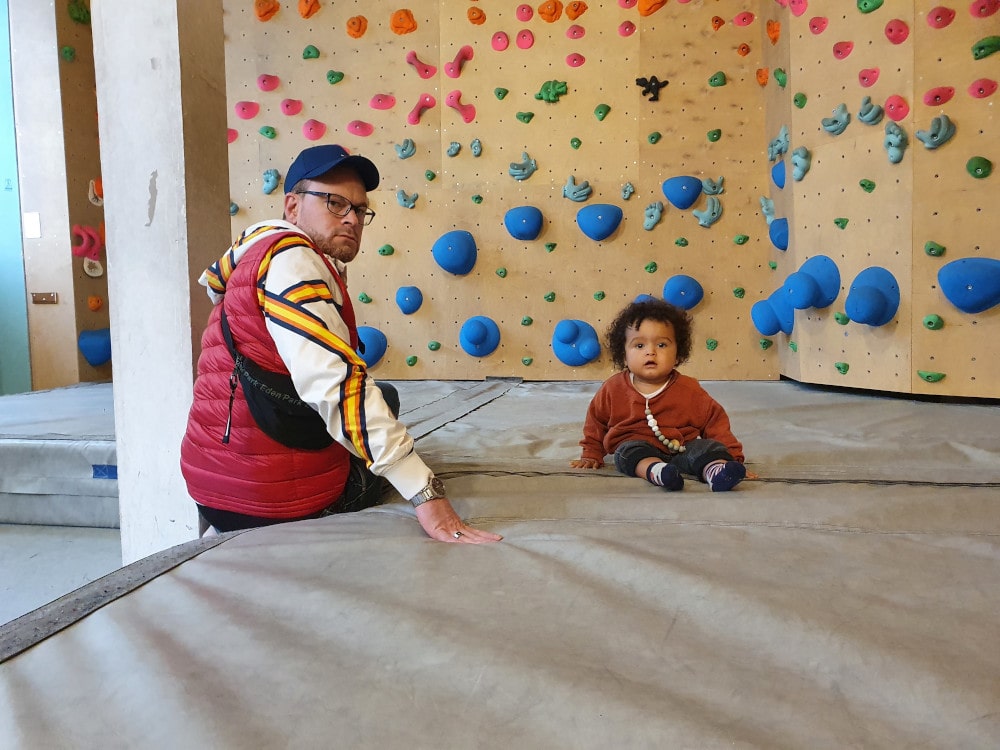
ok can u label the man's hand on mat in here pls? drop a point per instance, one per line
(441, 522)
(586, 463)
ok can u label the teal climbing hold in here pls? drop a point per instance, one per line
(652, 215)
(406, 149)
(895, 142)
(406, 200)
(523, 169)
(576, 193)
(971, 284)
(600, 220)
(711, 213)
(713, 187)
(838, 121)
(870, 113)
(801, 162)
(939, 133)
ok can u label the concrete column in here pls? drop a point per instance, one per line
(161, 95)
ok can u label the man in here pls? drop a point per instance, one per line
(280, 291)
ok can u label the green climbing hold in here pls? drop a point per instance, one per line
(934, 249)
(502, 272)
(79, 12)
(526, 361)
(842, 367)
(68, 54)
(985, 46)
(429, 175)
(681, 242)
(310, 52)
(741, 239)
(781, 77)
(799, 100)
(841, 222)
(551, 91)
(714, 135)
(717, 79)
(979, 166)
(711, 344)
(933, 322)
(386, 250)
(765, 344)
(575, 143)
(411, 360)
(433, 345)
(867, 185)
(268, 132)
(527, 320)
(525, 117)
(334, 77)
(651, 267)
(550, 246)
(772, 265)
(364, 299)
(477, 199)
(930, 377)
(654, 137)
(550, 297)
(841, 318)
(868, 6)
(793, 346)
(599, 296)
(500, 93)
(739, 292)
(601, 111)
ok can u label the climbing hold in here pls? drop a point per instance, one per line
(896, 107)
(575, 32)
(246, 110)
(406, 149)
(527, 320)
(841, 319)
(476, 147)
(873, 298)
(718, 22)
(739, 292)
(743, 19)
(651, 87)
(841, 222)
(95, 302)
(467, 111)
(793, 346)
(501, 272)
(842, 367)
(895, 142)
(763, 74)
(599, 221)
(867, 6)
(373, 345)
(500, 93)
(406, 201)
(683, 291)
(454, 148)
(652, 215)
(80, 13)
(386, 250)
(550, 10)
(476, 16)
(67, 53)
(360, 127)
(837, 122)
(713, 187)
(870, 113)
(649, 7)
(233, 208)
(741, 239)
(778, 175)
(842, 49)
(409, 299)
(801, 161)
(818, 24)
(523, 169)
(575, 9)
(551, 91)
(933, 322)
(773, 314)
(268, 132)
(654, 137)
(308, 8)
(90, 242)
(777, 232)
(425, 102)
(402, 22)
(575, 143)
(550, 246)
(477, 199)
(982, 88)
(382, 101)
(310, 52)
(575, 342)
(526, 361)
(424, 70)
(454, 68)
(781, 77)
(291, 106)
(767, 208)
(364, 299)
(455, 252)
(525, 39)
(313, 130)
(765, 344)
(779, 145)
(651, 267)
(500, 41)
(799, 100)
(939, 133)
(523, 222)
(971, 284)
(717, 79)
(231, 135)
(524, 12)
(868, 77)
(867, 185)
(711, 344)
(429, 175)
(601, 111)
(682, 191)
(95, 346)
(434, 345)
(626, 28)
(930, 377)
(773, 29)
(815, 284)
(714, 135)
(525, 117)
(984, 8)
(710, 214)
(979, 167)
(550, 297)
(939, 95)
(412, 360)
(940, 17)
(270, 181)
(356, 26)
(599, 296)
(897, 31)
(681, 242)
(798, 7)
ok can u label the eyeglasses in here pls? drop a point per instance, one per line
(338, 205)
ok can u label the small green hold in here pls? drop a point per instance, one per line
(477, 199)
(799, 100)
(268, 132)
(79, 12)
(934, 249)
(310, 52)
(717, 79)
(429, 175)
(334, 77)
(575, 143)
(364, 299)
(651, 267)
(502, 272)
(411, 360)
(711, 344)
(527, 320)
(930, 377)
(599, 296)
(433, 345)
(772, 265)
(841, 222)
(500, 93)
(681, 242)
(842, 367)
(550, 297)
(781, 77)
(525, 117)
(741, 239)
(601, 111)
(714, 135)
(550, 246)
(765, 344)
(526, 361)
(985, 47)
(933, 322)
(386, 250)
(979, 166)
(841, 318)
(868, 6)
(654, 137)
(233, 209)
(793, 346)
(867, 185)
(68, 54)
(739, 292)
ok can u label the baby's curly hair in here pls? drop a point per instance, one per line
(649, 309)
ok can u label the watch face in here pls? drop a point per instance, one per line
(437, 486)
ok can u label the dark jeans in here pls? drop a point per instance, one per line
(697, 455)
(362, 490)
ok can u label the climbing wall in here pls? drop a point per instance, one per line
(512, 137)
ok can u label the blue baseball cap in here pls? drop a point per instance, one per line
(316, 161)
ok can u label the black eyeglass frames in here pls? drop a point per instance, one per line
(338, 205)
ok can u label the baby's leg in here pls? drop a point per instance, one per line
(639, 459)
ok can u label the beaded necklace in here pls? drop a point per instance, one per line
(672, 445)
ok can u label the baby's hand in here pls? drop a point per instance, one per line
(586, 463)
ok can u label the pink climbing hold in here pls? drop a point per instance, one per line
(525, 39)
(291, 106)
(896, 108)
(232, 134)
(842, 49)
(896, 31)
(939, 95)
(90, 242)
(575, 60)
(576, 31)
(798, 7)
(984, 8)
(626, 28)
(868, 77)
(467, 111)
(313, 130)
(267, 82)
(246, 110)
(425, 102)
(454, 68)
(818, 24)
(423, 69)
(631, 3)
(360, 127)
(982, 88)
(524, 12)
(382, 101)
(940, 17)
(500, 41)
(743, 19)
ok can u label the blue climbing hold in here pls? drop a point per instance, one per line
(575, 342)
(373, 345)
(455, 252)
(683, 191)
(815, 284)
(683, 291)
(409, 299)
(778, 174)
(95, 346)
(873, 298)
(764, 318)
(778, 232)
(479, 336)
(971, 284)
(783, 310)
(600, 220)
(644, 298)
(523, 222)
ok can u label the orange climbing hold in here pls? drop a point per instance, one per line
(743, 50)
(649, 7)
(576, 9)
(774, 31)
(477, 16)
(718, 22)
(762, 76)
(357, 26)
(402, 22)
(265, 9)
(308, 8)
(95, 303)
(551, 10)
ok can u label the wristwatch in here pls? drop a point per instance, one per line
(432, 491)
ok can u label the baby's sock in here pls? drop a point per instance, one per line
(666, 476)
(722, 476)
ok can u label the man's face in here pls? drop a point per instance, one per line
(336, 236)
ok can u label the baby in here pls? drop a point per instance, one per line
(658, 423)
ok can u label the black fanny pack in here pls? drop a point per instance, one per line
(273, 402)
